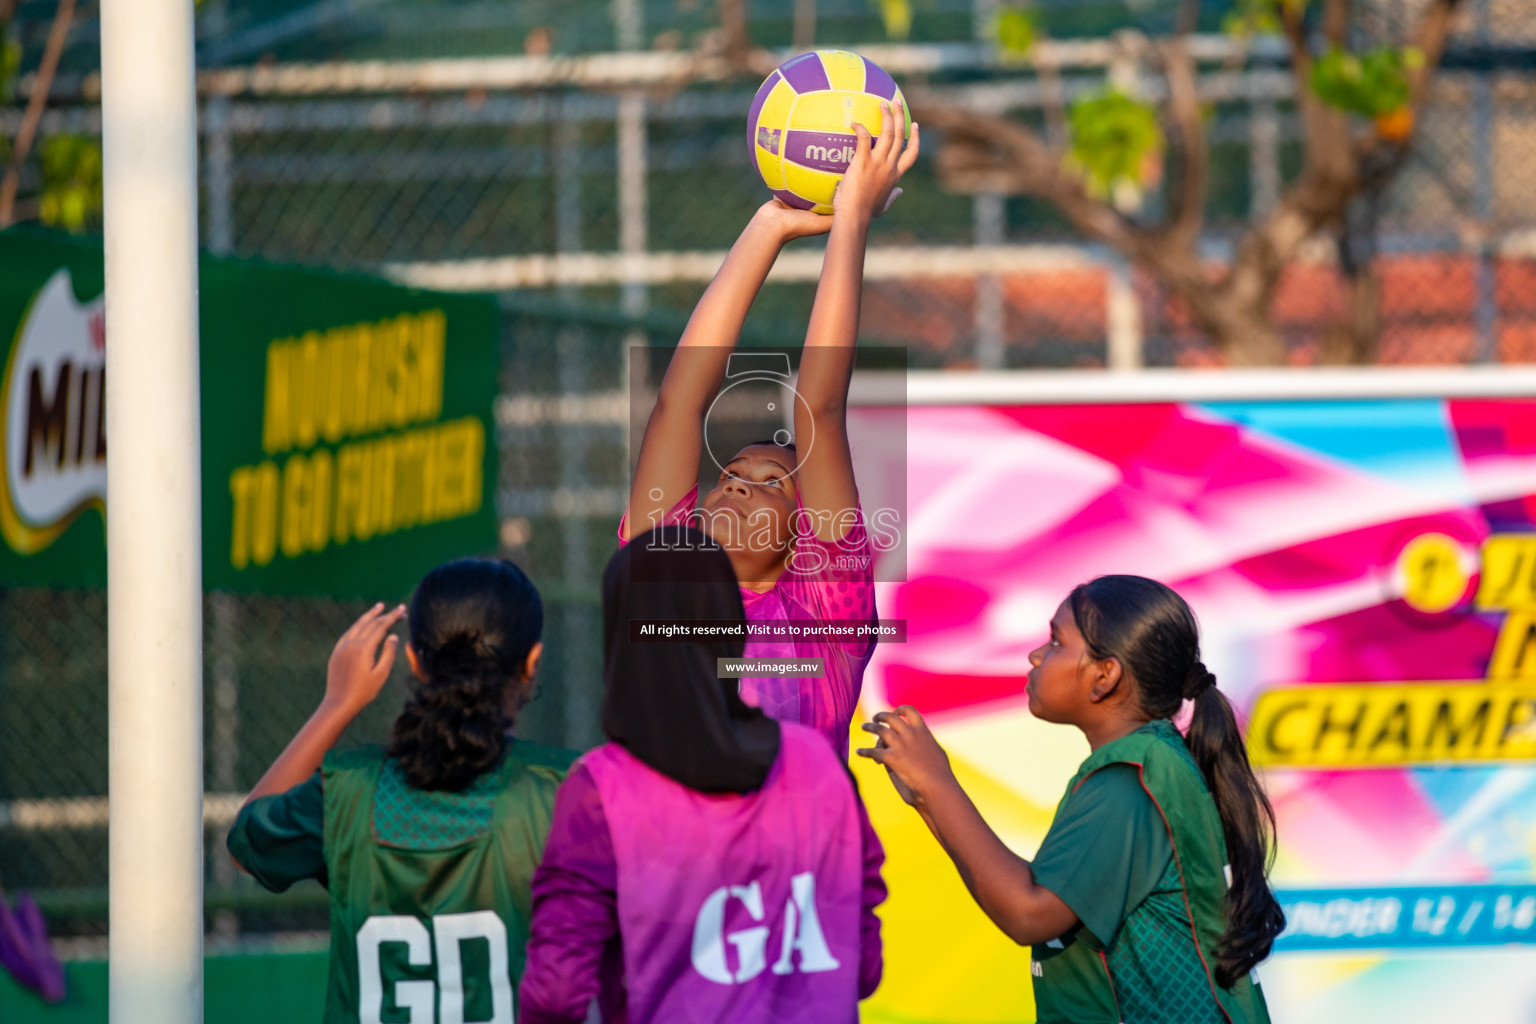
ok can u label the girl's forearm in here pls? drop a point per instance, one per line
(722, 310)
(673, 440)
(306, 751)
(834, 328)
(694, 376)
(835, 314)
(999, 880)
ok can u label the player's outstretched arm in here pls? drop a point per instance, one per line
(674, 435)
(359, 667)
(1001, 882)
(825, 472)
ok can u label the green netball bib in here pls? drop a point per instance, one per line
(430, 890)
(1074, 976)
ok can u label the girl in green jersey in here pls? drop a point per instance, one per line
(427, 845)
(1148, 901)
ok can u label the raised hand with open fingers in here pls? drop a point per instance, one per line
(906, 748)
(869, 187)
(361, 662)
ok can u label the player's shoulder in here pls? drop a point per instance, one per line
(1114, 791)
(352, 758)
(1116, 777)
(542, 759)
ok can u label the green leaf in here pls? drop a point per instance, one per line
(1112, 135)
(72, 209)
(1371, 84)
(71, 196)
(1015, 32)
(10, 66)
(1253, 17)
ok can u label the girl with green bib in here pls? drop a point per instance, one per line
(1147, 902)
(427, 845)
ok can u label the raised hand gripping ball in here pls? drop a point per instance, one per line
(800, 127)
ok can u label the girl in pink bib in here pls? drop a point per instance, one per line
(708, 864)
(785, 510)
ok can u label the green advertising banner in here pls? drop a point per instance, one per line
(347, 438)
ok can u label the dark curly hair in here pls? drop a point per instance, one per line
(472, 624)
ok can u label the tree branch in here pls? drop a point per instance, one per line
(63, 17)
(1053, 95)
(804, 32)
(735, 45)
(1434, 30)
(1336, 15)
(1187, 201)
(1187, 19)
(1295, 30)
(1325, 129)
(727, 50)
(1335, 169)
(992, 153)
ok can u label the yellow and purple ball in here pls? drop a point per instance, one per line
(800, 127)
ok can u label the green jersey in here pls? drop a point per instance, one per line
(1137, 851)
(429, 890)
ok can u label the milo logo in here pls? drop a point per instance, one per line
(55, 392)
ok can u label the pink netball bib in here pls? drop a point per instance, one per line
(737, 907)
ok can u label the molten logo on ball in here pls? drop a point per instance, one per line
(822, 154)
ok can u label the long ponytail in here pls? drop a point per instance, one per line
(473, 623)
(1254, 917)
(1151, 631)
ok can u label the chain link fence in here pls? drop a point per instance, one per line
(577, 202)
(562, 419)
(491, 187)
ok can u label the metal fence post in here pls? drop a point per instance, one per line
(633, 187)
(154, 520)
(1263, 157)
(219, 175)
(1122, 314)
(225, 761)
(984, 20)
(583, 658)
(990, 229)
(225, 637)
(803, 32)
(628, 24)
(567, 164)
(583, 661)
(1487, 315)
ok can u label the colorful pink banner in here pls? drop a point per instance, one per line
(1333, 551)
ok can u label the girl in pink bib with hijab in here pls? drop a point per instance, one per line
(709, 864)
(788, 515)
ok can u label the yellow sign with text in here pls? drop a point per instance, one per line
(355, 446)
(1354, 726)
(1509, 572)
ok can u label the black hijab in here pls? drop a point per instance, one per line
(664, 702)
